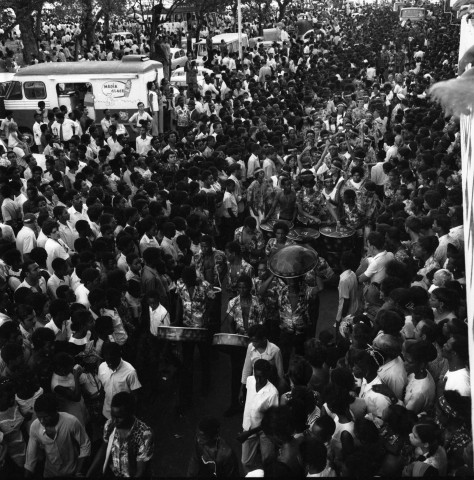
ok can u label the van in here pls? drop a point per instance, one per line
(5, 79)
(230, 39)
(414, 14)
(270, 36)
(117, 86)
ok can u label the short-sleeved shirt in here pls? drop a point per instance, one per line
(376, 269)
(348, 290)
(230, 202)
(257, 403)
(137, 447)
(123, 379)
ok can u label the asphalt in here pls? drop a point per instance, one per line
(174, 433)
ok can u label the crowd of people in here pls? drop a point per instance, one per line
(124, 230)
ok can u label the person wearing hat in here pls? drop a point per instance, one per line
(26, 238)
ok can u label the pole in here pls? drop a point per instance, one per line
(239, 26)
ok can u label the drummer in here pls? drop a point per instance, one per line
(293, 305)
(243, 311)
(285, 200)
(251, 241)
(280, 240)
(236, 266)
(309, 202)
(193, 307)
(267, 288)
(211, 266)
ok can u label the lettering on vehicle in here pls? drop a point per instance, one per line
(116, 88)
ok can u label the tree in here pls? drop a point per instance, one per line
(282, 6)
(261, 10)
(25, 12)
(150, 14)
(202, 9)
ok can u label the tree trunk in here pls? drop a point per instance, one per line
(27, 29)
(87, 24)
(106, 27)
(38, 25)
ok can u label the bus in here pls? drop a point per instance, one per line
(414, 14)
(116, 86)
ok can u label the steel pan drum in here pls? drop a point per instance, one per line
(230, 340)
(183, 334)
(337, 232)
(268, 226)
(293, 261)
(300, 234)
(336, 240)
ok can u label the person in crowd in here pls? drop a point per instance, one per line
(212, 455)
(56, 435)
(124, 432)
(261, 395)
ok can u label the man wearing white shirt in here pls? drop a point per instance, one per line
(159, 316)
(67, 232)
(78, 211)
(106, 122)
(59, 277)
(456, 351)
(64, 129)
(26, 238)
(377, 260)
(138, 116)
(143, 142)
(54, 246)
(37, 131)
(261, 395)
(259, 347)
(115, 375)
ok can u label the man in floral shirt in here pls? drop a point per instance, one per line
(193, 307)
(128, 442)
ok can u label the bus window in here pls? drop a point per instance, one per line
(14, 92)
(35, 90)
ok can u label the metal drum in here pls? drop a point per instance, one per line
(267, 227)
(303, 235)
(183, 334)
(230, 340)
(336, 240)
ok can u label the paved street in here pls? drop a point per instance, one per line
(174, 434)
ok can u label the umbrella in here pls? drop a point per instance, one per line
(293, 261)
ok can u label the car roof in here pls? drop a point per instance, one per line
(200, 69)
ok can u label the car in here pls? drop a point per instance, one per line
(178, 77)
(127, 37)
(178, 58)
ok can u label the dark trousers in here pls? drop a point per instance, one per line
(288, 341)
(186, 383)
(228, 226)
(237, 358)
(313, 314)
